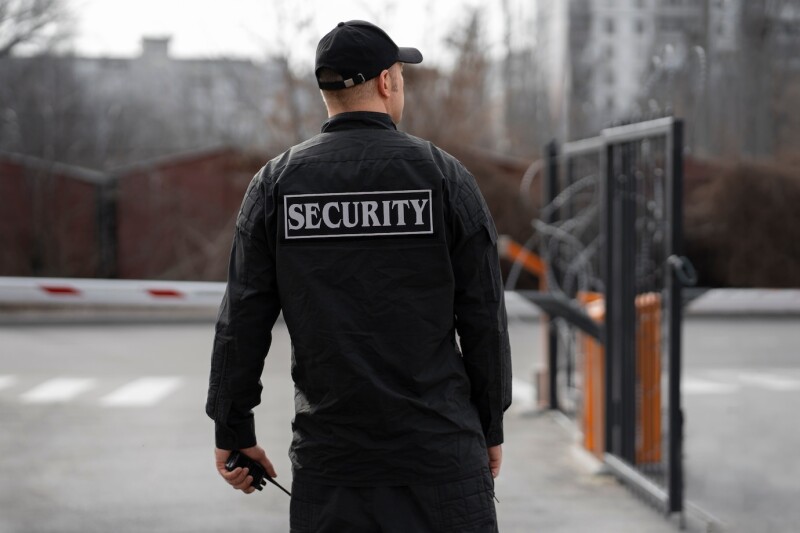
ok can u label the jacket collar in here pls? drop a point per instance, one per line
(358, 120)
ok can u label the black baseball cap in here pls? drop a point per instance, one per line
(359, 51)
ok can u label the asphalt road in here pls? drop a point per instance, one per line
(74, 462)
(103, 427)
(741, 393)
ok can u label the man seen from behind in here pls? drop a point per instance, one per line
(379, 249)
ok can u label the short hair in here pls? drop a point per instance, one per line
(348, 96)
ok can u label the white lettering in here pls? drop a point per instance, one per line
(326, 215)
(369, 208)
(296, 214)
(358, 214)
(418, 206)
(401, 206)
(346, 215)
(387, 206)
(312, 211)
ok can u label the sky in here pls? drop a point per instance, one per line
(257, 28)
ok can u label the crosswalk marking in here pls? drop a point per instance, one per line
(58, 390)
(149, 391)
(142, 392)
(692, 385)
(7, 381)
(770, 381)
(730, 381)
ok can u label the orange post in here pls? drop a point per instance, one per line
(648, 364)
(648, 374)
(594, 380)
(648, 382)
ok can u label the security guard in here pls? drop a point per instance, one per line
(379, 249)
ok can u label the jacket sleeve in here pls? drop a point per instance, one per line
(248, 311)
(480, 312)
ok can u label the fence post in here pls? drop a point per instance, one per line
(626, 273)
(550, 193)
(642, 301)
(607, 224)
(676, 318)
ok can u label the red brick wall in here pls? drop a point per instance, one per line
(71, 228)
(175, 220)
(16, 213)
(48, 223)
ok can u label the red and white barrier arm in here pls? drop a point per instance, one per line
(144, 293)
(132, 293)
(77, 291)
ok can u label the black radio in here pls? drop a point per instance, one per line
(237, 459)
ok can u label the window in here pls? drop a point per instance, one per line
(671, 24)
(609, 25)
(639, 26)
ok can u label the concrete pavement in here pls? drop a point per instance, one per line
(81, 464)
(741, 372)
(548, 484)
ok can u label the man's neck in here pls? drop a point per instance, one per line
(376, 106)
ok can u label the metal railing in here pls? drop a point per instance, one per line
(611, 238)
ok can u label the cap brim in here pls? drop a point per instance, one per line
(409, 55)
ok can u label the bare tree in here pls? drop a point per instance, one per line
(783, 28)
(526, 118)
(35, 22)
(452, 108)
(299, 111)
(41, 108)
(44, 112)
(739, 96)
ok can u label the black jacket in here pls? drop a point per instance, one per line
(379, 248)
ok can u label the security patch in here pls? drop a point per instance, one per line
(358, 214)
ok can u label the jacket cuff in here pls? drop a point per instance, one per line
(235, 437)
(494, 437)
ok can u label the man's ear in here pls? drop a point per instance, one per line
(385, 84)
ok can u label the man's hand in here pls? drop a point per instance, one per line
(239, 478)
(495, 459)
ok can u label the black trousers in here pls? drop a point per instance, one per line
(464, 506)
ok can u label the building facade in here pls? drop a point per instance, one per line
(729, 66)
(103, 112)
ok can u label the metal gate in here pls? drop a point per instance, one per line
(611, 236)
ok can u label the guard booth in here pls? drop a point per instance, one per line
(610, 249)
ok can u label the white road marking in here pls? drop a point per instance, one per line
(142, 392)
(58, 390)
(770, 381)
(7, 381)
(691, 385)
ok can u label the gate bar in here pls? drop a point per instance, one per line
(631, 477)
(551, 192)
(675, 323)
